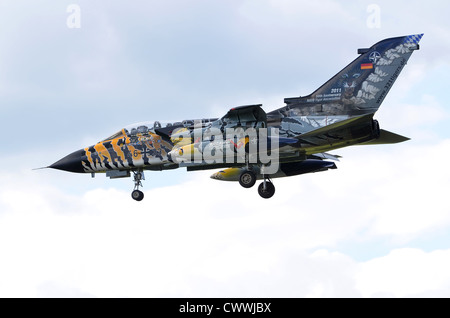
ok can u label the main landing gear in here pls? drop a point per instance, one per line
(138, 176)
(266, 189)
(247, 179)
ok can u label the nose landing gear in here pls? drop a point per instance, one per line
(138, 176)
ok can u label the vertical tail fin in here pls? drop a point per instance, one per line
(360, 87)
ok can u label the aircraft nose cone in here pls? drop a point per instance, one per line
(71, 163)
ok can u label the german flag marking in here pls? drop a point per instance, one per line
(367, 66)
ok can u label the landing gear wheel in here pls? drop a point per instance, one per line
(268, 192)
(247, 179)
(137, 195)
(138, 176)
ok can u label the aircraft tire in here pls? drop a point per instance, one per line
(137, 195)
(269, 192)
(247, 179)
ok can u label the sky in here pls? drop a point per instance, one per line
(74, 72)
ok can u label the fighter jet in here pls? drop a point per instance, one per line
(248, 144)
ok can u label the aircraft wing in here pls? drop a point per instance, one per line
(352, 131)
(353, 121)
(362, 130)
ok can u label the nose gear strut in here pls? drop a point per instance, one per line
(138, 176)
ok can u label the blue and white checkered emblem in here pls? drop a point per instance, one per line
(413, 39)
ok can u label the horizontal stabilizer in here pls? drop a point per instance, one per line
(387, 137)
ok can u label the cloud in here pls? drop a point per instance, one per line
(208, 238)
(402, 187)
(419, 120)
(407, 272)
(407, 204)
(70, 235)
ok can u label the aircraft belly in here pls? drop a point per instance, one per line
(285, 170)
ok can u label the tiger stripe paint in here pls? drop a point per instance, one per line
(125, 152)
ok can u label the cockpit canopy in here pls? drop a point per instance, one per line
(139, 128)
(156, 127)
